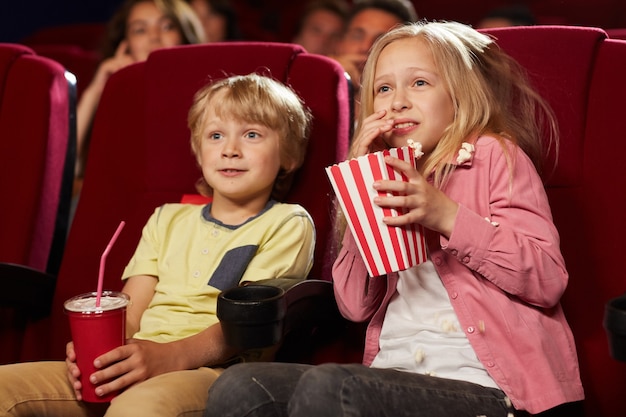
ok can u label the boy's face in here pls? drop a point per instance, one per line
(239, 160)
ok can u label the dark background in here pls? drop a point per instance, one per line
(273, 20)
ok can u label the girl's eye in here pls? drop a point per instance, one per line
(136, 30)
(383, 89)
(167, 26)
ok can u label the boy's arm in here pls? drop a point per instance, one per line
(140, 289)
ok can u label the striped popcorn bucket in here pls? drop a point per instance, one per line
(384, 248)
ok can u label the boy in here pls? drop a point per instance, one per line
(249, 135)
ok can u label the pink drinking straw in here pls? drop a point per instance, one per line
(103, 259)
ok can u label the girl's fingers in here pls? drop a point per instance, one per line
(403, 166)
(122, 49)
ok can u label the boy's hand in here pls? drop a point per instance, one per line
(132, 363)
(73, 373)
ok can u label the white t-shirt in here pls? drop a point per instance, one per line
(421, 332)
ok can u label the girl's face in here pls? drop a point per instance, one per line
(409, 87)
(321, 32)
(147, 29)
(239, 160)
(213, 23)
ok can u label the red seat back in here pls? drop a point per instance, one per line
(37, 104)
(581, 74)
(34, 139)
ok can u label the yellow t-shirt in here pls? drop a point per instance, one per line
(195, 257)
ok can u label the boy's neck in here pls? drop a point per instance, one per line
(234, 213)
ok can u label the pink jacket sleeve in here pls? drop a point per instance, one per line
(358, 296)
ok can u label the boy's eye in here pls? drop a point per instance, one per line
(252, 135)
(420, 83)
(215, 136)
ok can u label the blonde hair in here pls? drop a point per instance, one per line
(490, 91)
(258, 99)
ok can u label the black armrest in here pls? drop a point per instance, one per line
(264, 313)
(26, 290)
(615, 326)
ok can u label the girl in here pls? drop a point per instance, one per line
(478, 328)
(137, 28)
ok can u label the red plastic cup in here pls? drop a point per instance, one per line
(95, 331)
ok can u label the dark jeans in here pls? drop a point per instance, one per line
(331, 390)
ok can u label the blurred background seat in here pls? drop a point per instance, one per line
(37, 135)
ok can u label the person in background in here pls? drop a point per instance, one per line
(137, 28)
(249, 135)
(368, 20)
(477, 329)
(512, 15)
(218, 18)
(321, 26)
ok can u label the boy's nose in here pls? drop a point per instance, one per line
(230, 148)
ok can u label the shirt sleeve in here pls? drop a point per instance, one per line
(145, 258)
(287, 253)
(516, 246)
(358, 296)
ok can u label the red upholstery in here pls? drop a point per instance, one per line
(36, 105)
(140, 155)
(616, 33)
(81, 62)
(34, 132)
(88, 36)
(581, 74)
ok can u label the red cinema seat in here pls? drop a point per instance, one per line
(581, 73)
(37, 113)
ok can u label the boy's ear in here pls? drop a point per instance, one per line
(289, 167)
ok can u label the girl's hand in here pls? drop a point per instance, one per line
(425, 204)
(369, 138)
(132, 363)
(111, 65)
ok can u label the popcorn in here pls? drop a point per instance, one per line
(383, 248)
(494, 224)
(417, 148)
(465, 153)
(419, 356)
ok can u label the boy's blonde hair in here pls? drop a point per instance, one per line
(258, 99)
(490, 93)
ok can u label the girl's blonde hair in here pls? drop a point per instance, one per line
(258, 99)
(490, 92)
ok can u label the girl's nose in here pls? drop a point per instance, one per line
(155, 32)
(400, 101)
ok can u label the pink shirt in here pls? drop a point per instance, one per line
(504, 276)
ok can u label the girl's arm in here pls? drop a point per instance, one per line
(358, 296)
